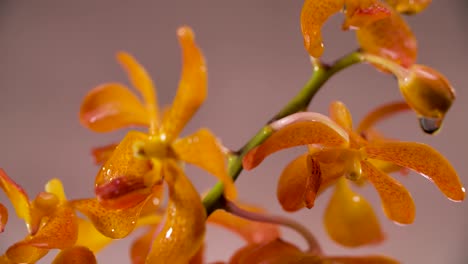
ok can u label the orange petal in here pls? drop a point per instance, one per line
(203, 149)
(250, 231)
(111, 223)
(341, 115)
(296, 133)
(17, 197)
(350, 219)
(397, 202)
(199, 256)
(380, 113)
(273, 252)
(192, 86)
(75, 255)
(298, 184)
(60, 230)
(390, 38)
(90, 237)
(112, 106)
(55, 187)
(121, 181)
(3, 217)
(409, 6)
(23, 253)
(313, 15)
(142, 82)
(184, 227)
(424, 160)
(360, 13)
(361, 260)
(102, 154)
(141, 246)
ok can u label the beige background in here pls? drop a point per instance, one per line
(53, 52)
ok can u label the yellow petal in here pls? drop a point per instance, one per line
(250, 231)
(143, 83)
(423, 159)
(397, 202)
(313, 15)
(350, 219)
(203, 150)
(192, 86)
(75, 255)
(409, 6)
(55, 187)
(380, 113)
(184, 226)
(23, 253)
(360, 13)
(90, 237)
(298, 184)
(111, 223)
(3, 217)
(294, 134)
(361, 260)
(17, 196)
(112, 106)
(103, 153)
(390, 38)
(121, 181)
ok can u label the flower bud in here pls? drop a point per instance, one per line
(429, 93)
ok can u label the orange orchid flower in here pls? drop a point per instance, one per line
(335, 150)
(279, 251)
(51, 222)
(380, 29)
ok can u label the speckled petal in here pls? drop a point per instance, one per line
(298, 184)
(350, 219)
(75, 255)
(110, 107)
(192, 86)
(18, 198)
(397, 202)
(23, 253)
(103, 153)
(184, 226)
(250, 231)
(313, 15)
(390, 38)
(423, 159)
(294, 134)
(203, 150)
(3, 217)
(360, 13)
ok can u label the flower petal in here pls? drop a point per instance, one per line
(397, 202)
(424, 160)
(250, 231)
(390, 38)
(314, 14)
(361, 13)
(55, 187)
(341, 115)
(90, 237)
(361, 260)
(103, 153)
(203, 149)
(298, 184)
(121, 181)
(3, 217)
(110, 107)
(141, 246)
(184, 227)
(273, 252)
(350, 219)
(23, 253)
(18, 198)
(295, 134)
(380, 113)
(409, 6)
(111, 223)
(75, 255)
(192, 86)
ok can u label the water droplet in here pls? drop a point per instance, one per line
(430, 125)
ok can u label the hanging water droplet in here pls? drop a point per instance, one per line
(430, 125)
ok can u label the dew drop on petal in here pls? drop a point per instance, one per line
(430, 125)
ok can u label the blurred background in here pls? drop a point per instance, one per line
(53, 52)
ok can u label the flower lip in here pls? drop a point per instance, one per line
(118, 187)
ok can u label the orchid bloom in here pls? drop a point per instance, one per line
(133, 172)
(335, 150)
(51, 222)
(380, 30)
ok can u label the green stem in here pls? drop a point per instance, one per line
(299, 103)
